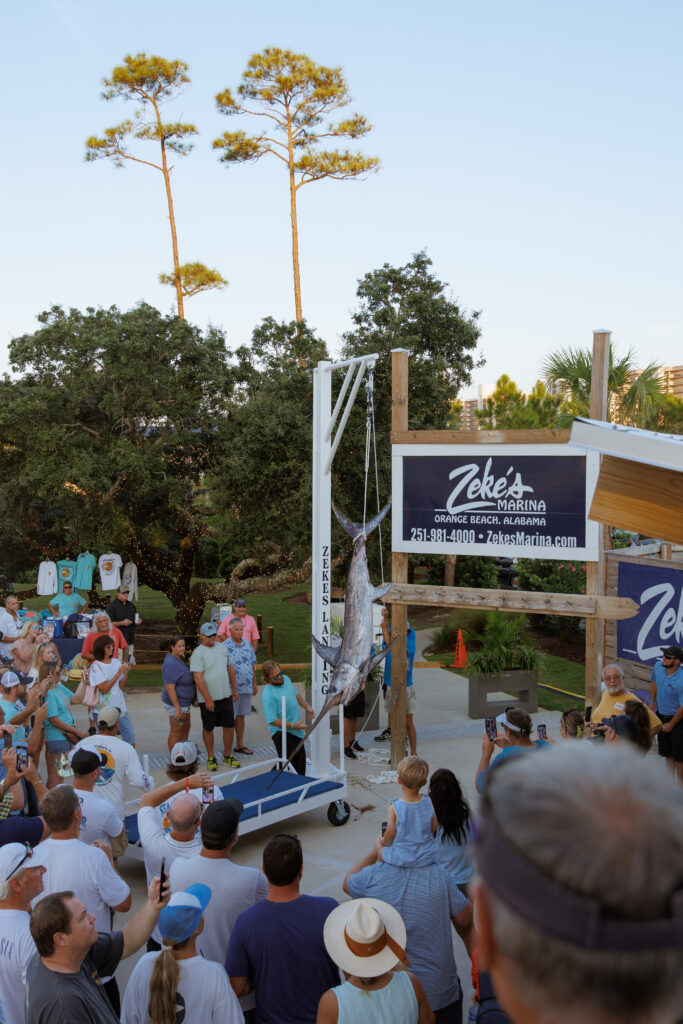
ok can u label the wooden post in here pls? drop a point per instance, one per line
(259, 625)
(399, 574)
(271, 642)
(595, 571)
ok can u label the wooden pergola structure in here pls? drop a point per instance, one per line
(593, 606)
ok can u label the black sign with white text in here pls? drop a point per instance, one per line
(495, 501)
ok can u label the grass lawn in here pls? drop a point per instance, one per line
(291, 622)
(558, 672)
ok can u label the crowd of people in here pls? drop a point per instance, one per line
(572, 856)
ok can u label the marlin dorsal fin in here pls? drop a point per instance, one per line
(328, 654)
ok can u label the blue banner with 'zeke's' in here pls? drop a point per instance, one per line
(659, 622)
(514, 500)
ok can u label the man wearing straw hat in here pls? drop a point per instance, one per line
(430, 903)
(367, 939)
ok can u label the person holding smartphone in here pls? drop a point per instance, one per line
(109, 676)
(516, 739)
(61, 732)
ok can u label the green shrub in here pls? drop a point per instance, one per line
(469, 620)
(553, 577)
(470, 571)
(504, 646)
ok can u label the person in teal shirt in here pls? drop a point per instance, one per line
(61, 732)
(68, 602)
(279, 686)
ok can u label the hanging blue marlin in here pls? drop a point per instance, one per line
(353, 661)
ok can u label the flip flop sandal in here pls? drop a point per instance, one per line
(243, 750)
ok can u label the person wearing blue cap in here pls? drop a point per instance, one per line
(176, 983)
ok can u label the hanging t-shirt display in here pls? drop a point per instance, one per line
(65, 571)
(85, 563)
(47, 579)
(129, 578)
(110, 571)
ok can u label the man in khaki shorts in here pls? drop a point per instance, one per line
(411, 700)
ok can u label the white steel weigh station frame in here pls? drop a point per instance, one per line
(322, 769)
(324, 450)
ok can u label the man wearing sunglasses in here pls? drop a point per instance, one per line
(666, 695)
(21, 880)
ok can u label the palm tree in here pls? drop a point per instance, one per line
(634, 397)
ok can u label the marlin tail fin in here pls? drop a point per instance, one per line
(356, 529)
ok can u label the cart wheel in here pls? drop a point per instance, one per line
(338, 813)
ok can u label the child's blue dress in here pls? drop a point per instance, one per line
(413, 846)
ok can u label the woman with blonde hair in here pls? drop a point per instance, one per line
(44, 653)
(177, 983)
(23, 649)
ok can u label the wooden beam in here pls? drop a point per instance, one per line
(639, 497)
(399, 573)
(595, 571)
(533, 602)
(479, 436)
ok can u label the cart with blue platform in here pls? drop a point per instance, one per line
(268, 797)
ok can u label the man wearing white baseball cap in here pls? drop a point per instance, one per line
(21, 880)
(184, 762)
(367, 939)
(122, 760)
(177, 975)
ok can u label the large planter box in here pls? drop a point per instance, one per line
(522, 683)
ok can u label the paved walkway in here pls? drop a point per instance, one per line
(446, 738)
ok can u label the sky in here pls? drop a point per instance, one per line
(532, 148)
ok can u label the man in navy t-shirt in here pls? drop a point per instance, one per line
(276, 947)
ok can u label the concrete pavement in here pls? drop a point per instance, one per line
(447, 738)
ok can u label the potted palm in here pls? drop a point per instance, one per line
(507, 660)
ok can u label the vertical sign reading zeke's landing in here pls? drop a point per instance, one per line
(528, 501)
(325, 616)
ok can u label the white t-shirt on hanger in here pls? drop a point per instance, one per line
(129, 578)
(47, 579)
(110, 571)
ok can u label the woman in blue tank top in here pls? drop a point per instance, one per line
(367, 939)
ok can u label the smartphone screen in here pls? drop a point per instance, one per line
(162, 876)
(41, 700)
(207, 795)
(542, 732)
(491, 728)
(384, 826)
(7, 740)
(22, 758)
(589, 711)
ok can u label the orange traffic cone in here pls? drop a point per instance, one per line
(460, 656)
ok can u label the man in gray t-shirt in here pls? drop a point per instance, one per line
(214, 677)
(63, 980)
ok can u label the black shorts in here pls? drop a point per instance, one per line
(670, 744)
(222, 715)
(356, 708)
